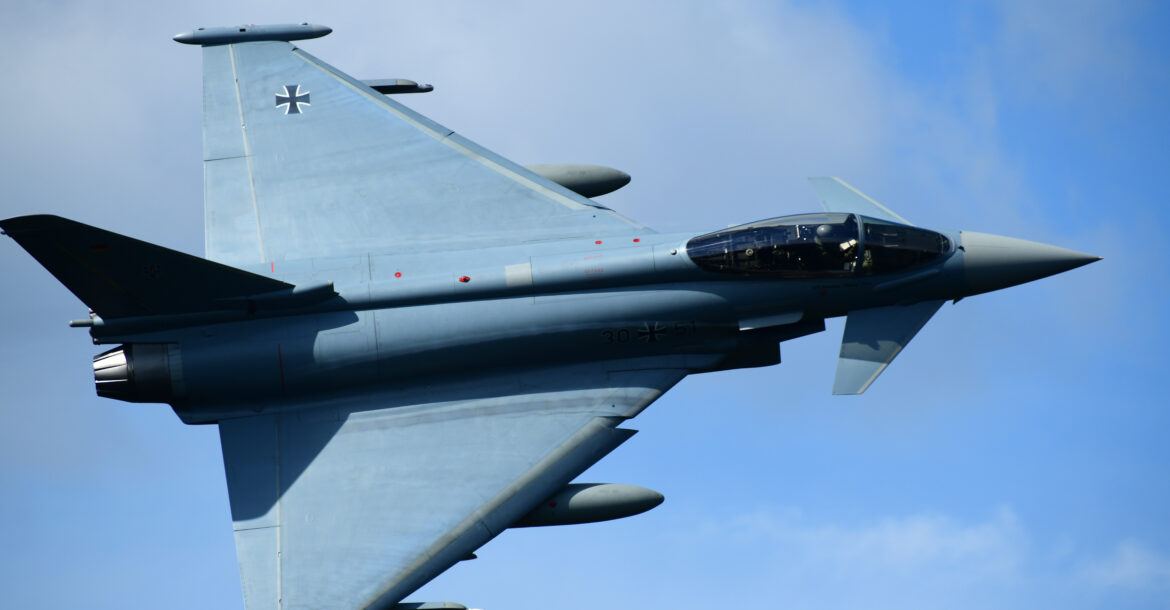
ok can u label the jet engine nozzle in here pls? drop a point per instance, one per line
(992, 262)
(136, 372)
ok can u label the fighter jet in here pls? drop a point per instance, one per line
(410, 344)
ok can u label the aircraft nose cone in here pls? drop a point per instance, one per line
(992, 262)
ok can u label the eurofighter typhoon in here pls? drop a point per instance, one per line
(411, 344)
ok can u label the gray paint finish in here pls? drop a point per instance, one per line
(347, 497)
(409, 343)
(317, 183)
(585, 180)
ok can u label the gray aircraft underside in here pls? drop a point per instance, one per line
(411, 344)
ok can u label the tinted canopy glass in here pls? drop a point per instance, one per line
(811, 245)
(816, 245)
(890, 247)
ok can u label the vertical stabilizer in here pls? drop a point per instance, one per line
(838, 196)
(119, 276)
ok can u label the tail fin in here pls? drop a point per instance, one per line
(837, 196)
(118, 276)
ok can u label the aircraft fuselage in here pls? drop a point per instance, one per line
(403, 320)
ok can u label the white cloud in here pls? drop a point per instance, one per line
(908, 542)
(718, 111)
(1131, 565)
(897, 561)
(707, 105)
(923, 559)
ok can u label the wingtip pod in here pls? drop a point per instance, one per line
(252, 33)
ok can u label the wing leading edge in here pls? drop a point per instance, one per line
(358, 504)
(303, 161)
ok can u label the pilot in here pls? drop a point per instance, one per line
(824, 239)
(837, 245)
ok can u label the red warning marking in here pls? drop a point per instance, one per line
(598, 242)
(636, 240)
(465, 279)
(274, 266)
(397, 274)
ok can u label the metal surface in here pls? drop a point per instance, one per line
(141, 372)
(590, 503)
(426, 342)
(994, 262)
(392, 86)
(585, 180)
(251, 33)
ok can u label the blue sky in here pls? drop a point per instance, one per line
(1014, 456)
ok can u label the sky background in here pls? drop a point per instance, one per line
(1015, 455)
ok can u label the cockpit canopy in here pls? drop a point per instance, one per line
(817, 245)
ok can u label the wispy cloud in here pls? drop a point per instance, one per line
(1132, 565)
(896, 561)
(719, 111)
(903, 543)
(926, 559)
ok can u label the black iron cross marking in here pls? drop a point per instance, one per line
(292, 99)
(650, 334)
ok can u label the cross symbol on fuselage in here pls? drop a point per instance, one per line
(651, 334)
(292, 99)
